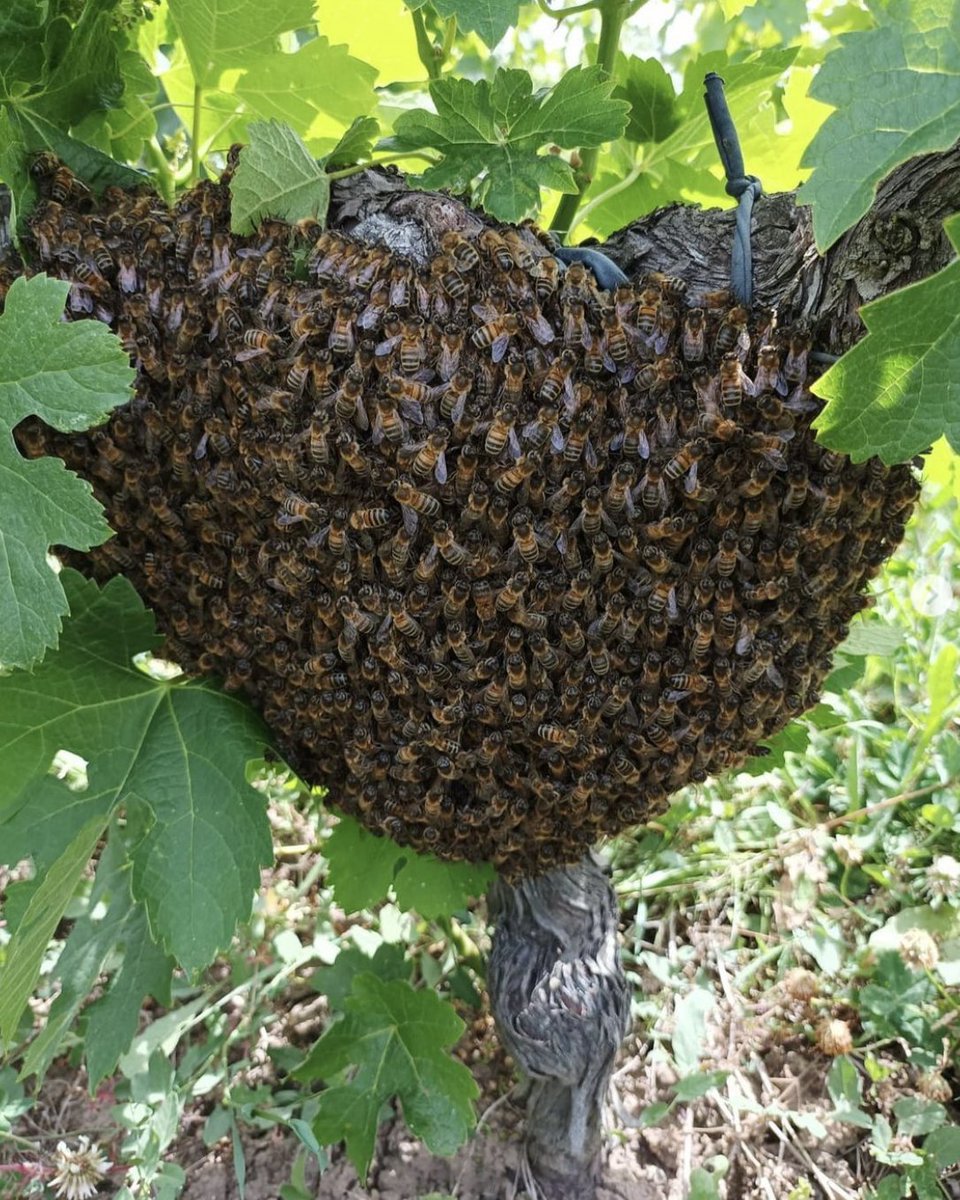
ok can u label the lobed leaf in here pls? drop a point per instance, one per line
(25, 951)
(648, 89)
(491, 133)
(488, 19)
(220, 35)
(172, 752)
(70, 374)
(898, 389)
(392, 1041)
(423, 882)
(896, 93)
(276, 177)
(355, 145)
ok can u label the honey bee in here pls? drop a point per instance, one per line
(798, 352)
(451, 349)
(495, 335)
(427, 457)
(558, 380)
(546, 275)
(462, 251)
(494, 246)
(693, 340)
(535, 321)
(732, 336)
(342, 339)
(733, 382)
(616, 346)
(501, 432)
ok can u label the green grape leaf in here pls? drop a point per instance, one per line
(143, 970)
(25, 950)
(276, 177)
(171, 751)
(21, 45)
(389, 962)
(435, 888)
(220, 35)
(349, 846)
(24, 133)
(422, 882)
(82, 67)
(71, 374)
(794, 737)
(684, 165)
(488, 19)
(896, 92)
(392, 1040)
(112, 1020)
(317, 91)
(648, 89)
(898, 389)
(121, 131)
(355, 145)
(493, 133)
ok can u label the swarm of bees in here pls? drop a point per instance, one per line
(503, 559)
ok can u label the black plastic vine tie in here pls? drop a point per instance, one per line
(744, 188)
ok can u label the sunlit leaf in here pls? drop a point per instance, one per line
(276, 177)
(492, 133)
(896, 91)
(898, 389)
(71, 374)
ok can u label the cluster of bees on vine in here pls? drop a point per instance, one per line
(504, 559)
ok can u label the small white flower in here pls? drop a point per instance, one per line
(918, 949)
(78, 1171)
(943, 881)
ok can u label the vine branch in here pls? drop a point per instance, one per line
(613, 13)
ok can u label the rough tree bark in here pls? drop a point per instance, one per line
(556, 985)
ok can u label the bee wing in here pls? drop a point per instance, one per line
(383, 348)
(411, 521)
(530, 428)
(458, 409)
(540, 327)
(412, 410)
(499, 347)
(440, 468)
(486, 312)
(616, 443)
(557, 439)
(690, 480)
(513, 445)
(775, 459)
(796, 403)
(370, 317)
(569, 396)
(376, 433)
(360, 415)
(384, 629)
(749, 387)
(608, 523)
(250, 352)
(774, 676)
(201, 449)
(590, 455)
(660, 342)
(672, 610)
